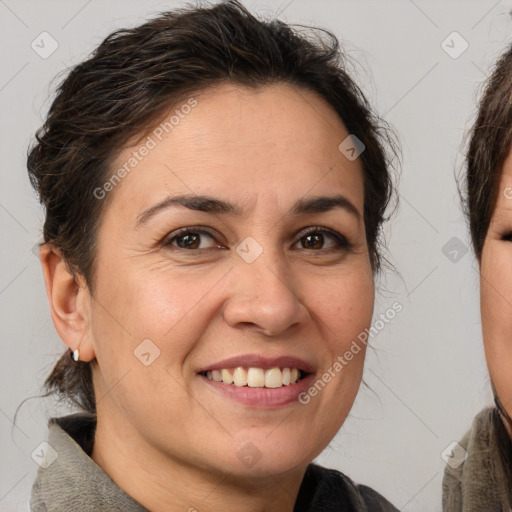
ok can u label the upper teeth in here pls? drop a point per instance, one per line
(256, 377)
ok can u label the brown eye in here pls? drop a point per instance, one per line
(313, 241)
(316, 239)
(192, 239)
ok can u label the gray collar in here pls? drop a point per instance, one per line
(72, 480)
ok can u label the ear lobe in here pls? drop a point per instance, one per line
(70, 312)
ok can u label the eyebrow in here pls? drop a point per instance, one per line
(201, 203)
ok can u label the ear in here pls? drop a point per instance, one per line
(70, 302)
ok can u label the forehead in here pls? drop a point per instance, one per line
(278, 140)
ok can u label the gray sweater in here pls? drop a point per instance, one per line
(478, 484)
(73, 482)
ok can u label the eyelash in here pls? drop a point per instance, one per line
(507, 237)
(341, 242)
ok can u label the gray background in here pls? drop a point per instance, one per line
(426, 375)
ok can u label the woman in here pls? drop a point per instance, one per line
(480, 477)
(214, 189)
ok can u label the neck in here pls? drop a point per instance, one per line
(161, 483)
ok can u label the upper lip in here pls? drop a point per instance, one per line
(256, 361)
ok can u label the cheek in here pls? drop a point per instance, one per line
(343, 306)
(145, 325)
(136, 314)
(496, 308)
(345, 303)
(496, 292)
(153, 303)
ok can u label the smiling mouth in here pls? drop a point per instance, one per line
(271, 378)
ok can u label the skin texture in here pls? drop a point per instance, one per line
(165, 435)
(496, 290)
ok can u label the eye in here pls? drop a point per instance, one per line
(192, 239)
(315, 238)
(507, 237)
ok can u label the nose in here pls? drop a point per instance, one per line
(264, 296)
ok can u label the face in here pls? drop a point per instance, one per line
(262, 283)
(496, 290)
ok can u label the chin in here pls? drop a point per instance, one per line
(269, 465)
(256, 456)
(271, 453)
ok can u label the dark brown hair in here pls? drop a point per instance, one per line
(134, 76)
(490, 142)
(489, 145)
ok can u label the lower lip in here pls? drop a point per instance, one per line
(262, 397)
